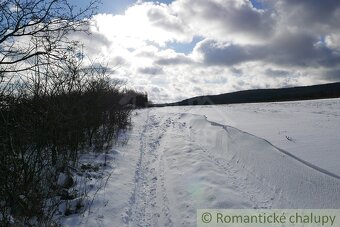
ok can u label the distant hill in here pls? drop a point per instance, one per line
(322, 91)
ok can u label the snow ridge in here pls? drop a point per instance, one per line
(176, 163)
(302, 184)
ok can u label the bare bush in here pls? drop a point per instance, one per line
(40, 130)
(52, 108)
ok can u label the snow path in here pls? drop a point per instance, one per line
(146, 200)
(176, 163)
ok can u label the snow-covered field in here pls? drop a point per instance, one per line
(180, 159)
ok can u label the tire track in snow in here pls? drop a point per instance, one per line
(129, 213)
(166, 215)
(144, 206)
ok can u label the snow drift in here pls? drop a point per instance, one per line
(176, 162)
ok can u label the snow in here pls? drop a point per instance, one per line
(307, 129)
(180, 159)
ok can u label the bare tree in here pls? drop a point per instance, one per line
(52, 106)
(30, 28)
(33, 40)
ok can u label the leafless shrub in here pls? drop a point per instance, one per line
(51, 106)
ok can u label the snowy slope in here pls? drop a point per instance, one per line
(176, 162)
(308, 129)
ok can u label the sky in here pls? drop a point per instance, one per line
(176, 49)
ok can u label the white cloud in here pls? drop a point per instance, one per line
(288, 43)
(226, 20)
(140, 23)
(333, 41)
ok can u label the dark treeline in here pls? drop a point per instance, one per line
(265, 95)
(42, 134)
(43, 130)
(46, 121)
(53, 107)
